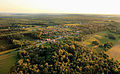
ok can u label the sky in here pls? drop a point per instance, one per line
(60, 6)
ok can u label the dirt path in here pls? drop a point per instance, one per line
(114, 52)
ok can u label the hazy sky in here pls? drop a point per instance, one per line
(61, 6)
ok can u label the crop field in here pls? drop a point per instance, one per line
(114, 52)
(6, 62)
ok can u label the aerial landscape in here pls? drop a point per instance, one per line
(53, 42)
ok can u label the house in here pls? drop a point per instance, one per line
(48, 39)
(53, 40)
(23, 27)
(39, 29)
(78, 31)
(37, 40)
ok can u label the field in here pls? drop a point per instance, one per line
(6, 62)
(100, 37)
(114, 52)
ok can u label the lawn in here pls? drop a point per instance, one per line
(6, 62)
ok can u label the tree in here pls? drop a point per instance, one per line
(95, 43)
(18, 43)
(111, 36)
(108, 45)
(36, 35)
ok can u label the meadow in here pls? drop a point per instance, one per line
(6, 62)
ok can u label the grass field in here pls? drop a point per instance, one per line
(96, 37)
(6, 62)
(104, 39)
(114, 52)
(101, 37)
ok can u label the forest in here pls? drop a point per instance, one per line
(59, 44)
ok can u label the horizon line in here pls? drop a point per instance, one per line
(56, 13)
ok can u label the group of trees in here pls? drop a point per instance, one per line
(35, 35)
(8, 43)
(15, 36)
(95, 42)
(104, 46)
(111, 36)
(66, 56)
(107, 45)
(14, 41)
(20, 43)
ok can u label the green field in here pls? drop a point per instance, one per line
(6, 62)
(101, 37)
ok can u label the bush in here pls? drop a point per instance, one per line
(108, 45)
(95, 43)
(36, 35)
(17, 36)
(101, 46)
(111, 36)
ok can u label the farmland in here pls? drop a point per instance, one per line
(6, 62)
(114, 51)
(69, 43)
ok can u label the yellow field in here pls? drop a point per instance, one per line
(72, 24)
(7, 51)
(114, 52)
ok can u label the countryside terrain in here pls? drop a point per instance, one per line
(59, 44)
